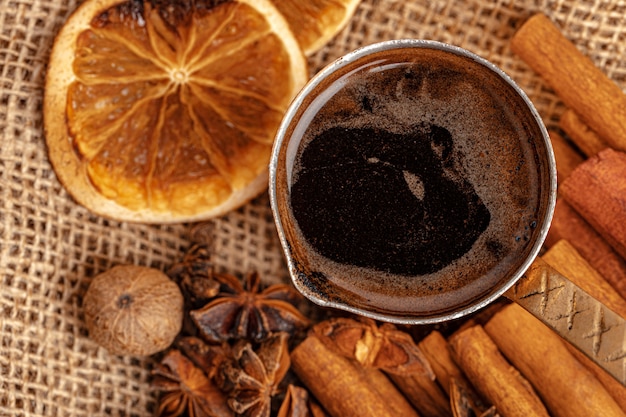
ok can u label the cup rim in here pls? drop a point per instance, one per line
(347, 59)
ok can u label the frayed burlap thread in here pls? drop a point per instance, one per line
(50, 247)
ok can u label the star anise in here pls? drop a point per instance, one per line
(384, 347)
(197, 278)
(252, 376)
(208, 358)
(298, 403)
(249, 313)
(186, 390)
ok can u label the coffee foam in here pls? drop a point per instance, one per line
(492, 142)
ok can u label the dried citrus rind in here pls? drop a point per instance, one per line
(316, 22)
(165, 111)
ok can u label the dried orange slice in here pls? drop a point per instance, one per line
(315, 22)
(165, 111)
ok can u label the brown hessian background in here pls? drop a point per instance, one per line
(50, 247)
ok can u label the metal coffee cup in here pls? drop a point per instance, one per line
(526, 279)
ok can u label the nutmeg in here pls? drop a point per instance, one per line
(133, 310)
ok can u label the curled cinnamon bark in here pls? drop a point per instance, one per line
(567, 224)
(343, 387)
(437, 351)
(567, 388)
(567, 158)
(597, 191)
(565, 258)
(493, 376)
(581, 85)
(582, 135)
(423, 393)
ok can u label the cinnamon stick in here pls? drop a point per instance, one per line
(567, 158)
(597, 191)
(437, 351)
(344, 388)
(612, 385)
(396, 401)
(568, 225)
(581, 85)
(423, 393)
(565, 258)
(493, 376)
(588, 141)
(567, 388)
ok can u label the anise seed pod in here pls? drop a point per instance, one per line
(249, 313)
(255, 374)
(186, 390)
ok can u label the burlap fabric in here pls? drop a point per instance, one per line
(50, 247)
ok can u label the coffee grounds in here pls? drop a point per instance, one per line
(391, 202)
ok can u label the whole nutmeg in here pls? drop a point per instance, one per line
(133, 310)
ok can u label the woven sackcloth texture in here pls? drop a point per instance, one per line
(50, 247)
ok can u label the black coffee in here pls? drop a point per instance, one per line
(413, 182)
(381, 200)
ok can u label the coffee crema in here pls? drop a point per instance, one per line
(413, 182)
